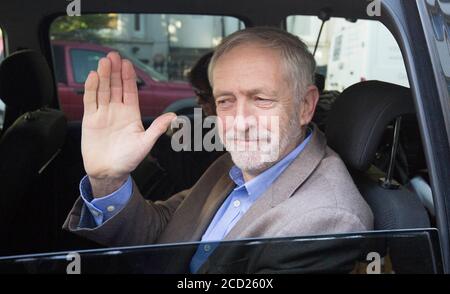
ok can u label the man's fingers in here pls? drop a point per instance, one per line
(158, 127)
(130, 91)
(104, 73)
(90, 93)
(116, 76)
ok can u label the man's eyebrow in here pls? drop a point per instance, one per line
(219, 93)
(260, 91)
(250, 92)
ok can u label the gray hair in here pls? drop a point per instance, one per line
(298, 62)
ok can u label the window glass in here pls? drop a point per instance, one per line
(84, 61)
(351, 52)
(411, 251)
(162, 47)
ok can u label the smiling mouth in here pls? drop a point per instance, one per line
(243, 141)
(260, 142)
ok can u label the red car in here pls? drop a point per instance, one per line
(73, 62)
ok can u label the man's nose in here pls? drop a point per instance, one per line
(243, 118)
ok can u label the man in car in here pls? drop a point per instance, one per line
(292, 185)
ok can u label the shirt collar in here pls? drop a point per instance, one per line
(260, 183)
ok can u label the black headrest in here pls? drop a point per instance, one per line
(32, 140)
(26, 81)
(359, 117)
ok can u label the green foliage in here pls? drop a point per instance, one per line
(85, 27)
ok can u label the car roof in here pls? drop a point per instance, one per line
(268, 12)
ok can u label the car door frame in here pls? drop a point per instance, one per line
(403, 19)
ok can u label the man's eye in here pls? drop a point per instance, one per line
(263, 101)
(223, 102)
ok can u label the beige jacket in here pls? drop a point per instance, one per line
(314, 195)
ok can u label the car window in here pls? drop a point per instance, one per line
(2, 105)
(351, 52)
(411, 251)
(83, 61)
(162, 48)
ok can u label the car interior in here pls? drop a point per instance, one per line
(371, 124)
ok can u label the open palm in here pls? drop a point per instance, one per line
(114, 140)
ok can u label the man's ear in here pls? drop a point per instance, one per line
(308, 105)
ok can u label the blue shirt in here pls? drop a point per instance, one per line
(96, 211)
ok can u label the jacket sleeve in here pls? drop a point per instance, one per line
(139, 222)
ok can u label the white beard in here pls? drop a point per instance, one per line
(266, 150)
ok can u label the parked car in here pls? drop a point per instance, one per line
(74, 61)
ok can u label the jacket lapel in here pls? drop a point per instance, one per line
(218, 195)
(192, 218)
(286, 184)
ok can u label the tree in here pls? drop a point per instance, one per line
(82, 28)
